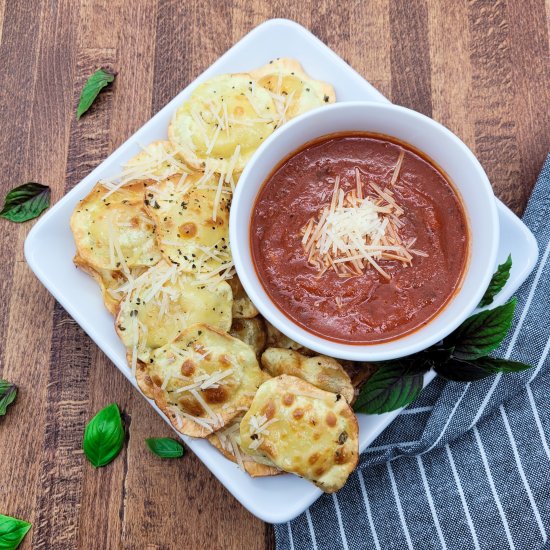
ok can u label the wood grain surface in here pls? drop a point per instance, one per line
(481, 67)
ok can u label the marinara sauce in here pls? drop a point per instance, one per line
(366, 308)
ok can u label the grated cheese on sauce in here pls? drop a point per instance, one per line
(355, 232)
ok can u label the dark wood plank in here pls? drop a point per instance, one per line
(473, 66)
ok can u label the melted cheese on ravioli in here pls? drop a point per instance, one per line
(113, 231)
(202, 380)
(222, 123)
(303, 430)
(163, 302)
(321, 371)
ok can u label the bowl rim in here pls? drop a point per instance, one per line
(391, 349)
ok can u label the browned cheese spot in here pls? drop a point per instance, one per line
(224, 359)
(298, 413)
(331, 419)
(313, 458)
(191, 405)
(188, 230)
(188, 367)
(269, 409)
(157, 380)
(215, 395)
(288, 399)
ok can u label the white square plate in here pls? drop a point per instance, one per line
(49, 250)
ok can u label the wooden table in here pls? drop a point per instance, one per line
(479, 67)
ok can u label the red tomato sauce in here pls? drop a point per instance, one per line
(366, 308)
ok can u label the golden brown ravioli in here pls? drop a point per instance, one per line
(243, 308)
(203, 380)
(250, 331)
(192, 222)
(294, 92)
(113, 231)
(228, 442)
(321, 371)
(163, 302)
(223, 122)
(303, 430)
(276, 339)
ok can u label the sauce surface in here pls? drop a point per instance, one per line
(366, 308)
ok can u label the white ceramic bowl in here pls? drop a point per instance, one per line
(430, 137)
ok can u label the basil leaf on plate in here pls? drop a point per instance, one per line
(394, 385)
(91, 89)
(482, 333)
(26, 202)
(500, 278)
(476, 369)
(12, 532)
(8, 392)
(104, 436)
(165, 447)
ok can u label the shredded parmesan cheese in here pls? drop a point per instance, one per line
(357, 230)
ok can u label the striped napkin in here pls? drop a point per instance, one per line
(466, 465)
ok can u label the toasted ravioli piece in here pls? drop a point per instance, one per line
(157, 161)
(202, 380)
(251, 332)
(109, 281)
(192, 222)
(243, 308)
(114, 231)
(276, 339)
(303, 430)
(228, 442)
(294, 92)
(222, 123)
(165, 301)
(321, 371)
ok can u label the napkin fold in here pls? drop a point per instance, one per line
(466, 465)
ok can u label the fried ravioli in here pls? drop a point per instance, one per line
(321, 371)
(243, 308)
(228, 442)
(192, 222)
(294, 92)
(109, 281)
(223, 122)
(112, 231)
(163, 302)
(303, 430)
(251, 332)
(203, 380)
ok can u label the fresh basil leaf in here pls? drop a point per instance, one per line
(26, 202)
(497, 283)
(476, 369)
(165, 447)
(394, 385)
(104, 436)
(91, 89)
(482, 333)
(12, 532)
(8, 392)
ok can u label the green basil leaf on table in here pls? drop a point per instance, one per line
(12, 532)
(8, 392)
(91, 90)
(481, 333)
(26, 202)
(394, 385)
(477, 369)
(500, 278)
(104, 436)
(165, 447)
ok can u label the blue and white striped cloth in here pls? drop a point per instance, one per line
(465, 466)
